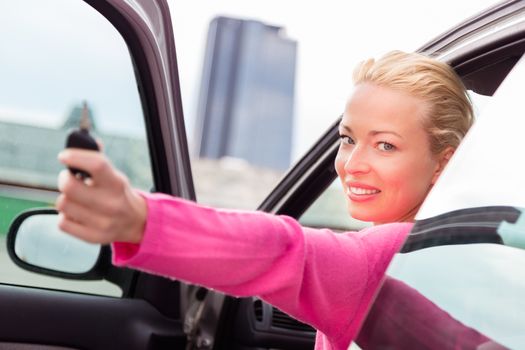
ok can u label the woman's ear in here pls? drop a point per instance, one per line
(443, 159)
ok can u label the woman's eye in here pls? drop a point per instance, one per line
(346, 140)
(385, 146)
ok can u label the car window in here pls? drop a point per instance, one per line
(462, 265)
(479, 285)
(62, 63)
(330, 211)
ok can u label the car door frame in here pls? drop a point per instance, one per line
(50, 317)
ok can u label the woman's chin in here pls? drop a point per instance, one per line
(378, 218)
(361, 215)
(372, 216)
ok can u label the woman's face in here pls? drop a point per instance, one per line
(384, 159)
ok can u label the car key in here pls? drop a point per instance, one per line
(80, 138)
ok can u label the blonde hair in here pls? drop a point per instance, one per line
(434, 82)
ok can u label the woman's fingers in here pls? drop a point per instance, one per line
(88, 222)
(77, 191)
(95, 163)
(82, 215)
(105, 185)
(103, 209)
(99, 199)
(81, 231)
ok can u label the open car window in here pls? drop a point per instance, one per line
(63, 63)
(459, 280)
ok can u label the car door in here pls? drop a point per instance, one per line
(114, 63)
(482, 50)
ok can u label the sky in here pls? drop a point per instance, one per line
(54, 62)
(60, 54)
(333, 36)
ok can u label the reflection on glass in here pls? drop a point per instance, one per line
(480, 285)
(41, 243)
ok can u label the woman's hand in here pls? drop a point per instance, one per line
(103, 208)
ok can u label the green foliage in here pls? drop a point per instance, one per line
(10, 207)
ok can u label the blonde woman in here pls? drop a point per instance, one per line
(401, 125)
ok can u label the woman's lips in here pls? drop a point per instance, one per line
(361, 192)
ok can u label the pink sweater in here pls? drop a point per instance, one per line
(321, 278)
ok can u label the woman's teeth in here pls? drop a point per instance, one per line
(361, 191)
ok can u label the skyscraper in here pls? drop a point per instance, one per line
(246, 101)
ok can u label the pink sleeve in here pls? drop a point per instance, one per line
(323, 278)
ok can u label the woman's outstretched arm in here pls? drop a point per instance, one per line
(322, 278)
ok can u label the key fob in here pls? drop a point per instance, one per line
(80, 138)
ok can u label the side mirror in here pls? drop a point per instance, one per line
(35, 243)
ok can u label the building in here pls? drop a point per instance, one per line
(246, 101)
(28, 153)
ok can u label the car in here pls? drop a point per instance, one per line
(116, 60)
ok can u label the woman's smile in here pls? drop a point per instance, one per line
(360, 192)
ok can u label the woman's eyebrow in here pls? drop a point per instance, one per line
(376, 132)
(373, 132)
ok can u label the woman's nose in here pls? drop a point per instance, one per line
(358, 161)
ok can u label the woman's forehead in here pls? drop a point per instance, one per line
(383, 108)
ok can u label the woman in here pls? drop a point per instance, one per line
(400, 127)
